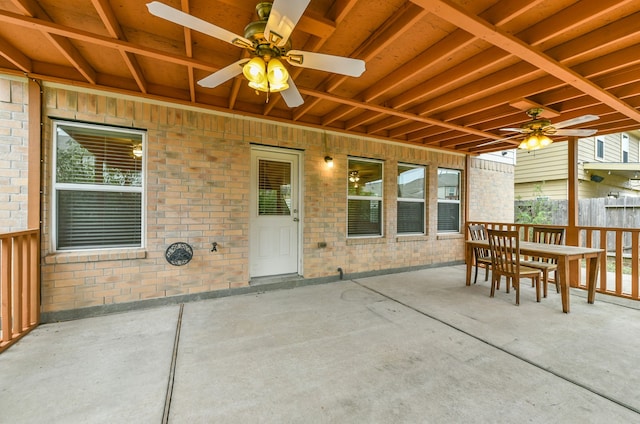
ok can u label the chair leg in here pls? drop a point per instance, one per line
(545, 280)
(494, 282)
(538, 288)
(486, 273)
(555, 276)
(516, 286)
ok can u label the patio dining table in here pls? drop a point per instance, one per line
(563, 254)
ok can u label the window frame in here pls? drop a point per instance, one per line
(624, 147)
(457, 201)
(599, 141)
(422, 200)
(56, 187)
(369, 198)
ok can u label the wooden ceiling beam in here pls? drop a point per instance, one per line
(394, 112)
(603, 40)
(63, 31)
(188, 49)
(32, 9)
(572, 17)
(455, 14)
(15, 56)
(385, 124)
(108, 17)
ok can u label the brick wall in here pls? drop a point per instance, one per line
(13, 155)
(491, 192)
(197, 191)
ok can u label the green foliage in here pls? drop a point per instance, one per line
(535, 211)
(74, 164)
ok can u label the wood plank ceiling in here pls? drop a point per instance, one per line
(441, 73)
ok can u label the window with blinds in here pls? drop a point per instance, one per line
(98, 187)
(448, 200)
(411, 199)
(364, 198)
(274, 187)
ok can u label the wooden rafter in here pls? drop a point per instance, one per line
(103, 7)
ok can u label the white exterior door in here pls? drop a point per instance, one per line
(275, 217)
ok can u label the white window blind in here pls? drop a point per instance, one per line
(98, 186)
(274, 187)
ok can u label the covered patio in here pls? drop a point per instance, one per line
(418, 346)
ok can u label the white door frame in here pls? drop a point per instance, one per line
(253, 198)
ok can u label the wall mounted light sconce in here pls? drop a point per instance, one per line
(137, 151)
(329, 161)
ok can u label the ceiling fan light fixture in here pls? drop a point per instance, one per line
(537, 140)
(277, 75)
(255, 71)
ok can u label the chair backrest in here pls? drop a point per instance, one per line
(479, 232)
(505, 251)
(549, 235)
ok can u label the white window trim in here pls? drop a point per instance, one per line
(85, 187)
(595, 153)
(624, 140)
(458, 202)
(353, 197)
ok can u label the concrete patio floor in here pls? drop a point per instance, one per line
(414, 347)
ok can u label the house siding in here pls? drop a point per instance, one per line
(197, 191)
(548, 168)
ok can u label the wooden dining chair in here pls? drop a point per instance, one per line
(549, 235)
(504, 247)
(481, 256)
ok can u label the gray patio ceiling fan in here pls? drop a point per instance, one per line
(268, 41)
(539, 130)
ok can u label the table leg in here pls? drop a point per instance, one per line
(563, 275)
(593, 275)
(469, 260)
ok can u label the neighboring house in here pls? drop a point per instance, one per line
(608, 166)
(143, 200)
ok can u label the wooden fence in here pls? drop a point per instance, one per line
(605, 212)
(19, 285)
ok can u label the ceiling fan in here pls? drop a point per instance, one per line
(267, 40)
(538, 130)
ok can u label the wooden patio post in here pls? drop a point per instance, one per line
(34, 155)
(572, 236)
(34, 197)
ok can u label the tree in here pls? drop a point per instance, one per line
(535, 211)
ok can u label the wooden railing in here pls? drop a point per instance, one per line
(619, 269)
(19, 285)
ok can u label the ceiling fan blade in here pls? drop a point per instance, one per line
(575, 121)
(577, 133)
(488, 143)
(163, 11)
(291, 95)
(326, 62)
(223, 75)
(520, 130)
(283, 18)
